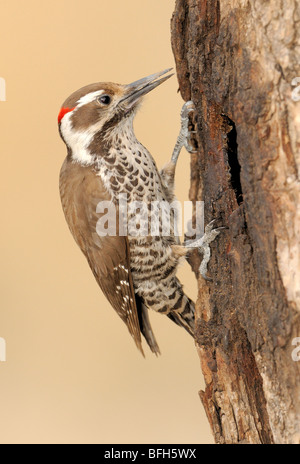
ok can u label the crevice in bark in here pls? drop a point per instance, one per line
(235, 167)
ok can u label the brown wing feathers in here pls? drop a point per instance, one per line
(108, 257)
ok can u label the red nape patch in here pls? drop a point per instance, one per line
(64, 111)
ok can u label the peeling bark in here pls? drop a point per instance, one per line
(236, 60)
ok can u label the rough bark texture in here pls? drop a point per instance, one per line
(236, 60)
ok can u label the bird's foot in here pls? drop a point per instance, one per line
(185, 135)
(203, 246)
(186, 110)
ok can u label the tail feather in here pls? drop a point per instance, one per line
(145, 326)
(183, 314)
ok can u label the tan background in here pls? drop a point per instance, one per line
(73, 374)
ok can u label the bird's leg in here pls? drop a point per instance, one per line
(184, 137)
(184, 140)
(203, 246)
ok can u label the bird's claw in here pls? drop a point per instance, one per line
(187, 109)
(203, 246)
(185, 136)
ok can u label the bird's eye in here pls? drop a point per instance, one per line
(104, 99)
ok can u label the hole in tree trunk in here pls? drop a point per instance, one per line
(235, 167)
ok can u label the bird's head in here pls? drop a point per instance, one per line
(100, 108)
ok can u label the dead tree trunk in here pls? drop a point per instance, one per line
(237, 61)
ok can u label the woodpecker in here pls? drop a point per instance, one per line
(105, 159)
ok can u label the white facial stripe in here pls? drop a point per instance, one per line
(88, 98)
(79, 141)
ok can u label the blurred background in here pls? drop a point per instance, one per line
(73, 373)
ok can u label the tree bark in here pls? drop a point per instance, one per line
(236, 60)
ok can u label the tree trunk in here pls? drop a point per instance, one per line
(237, 61)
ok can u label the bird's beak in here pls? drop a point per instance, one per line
(138, 89)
